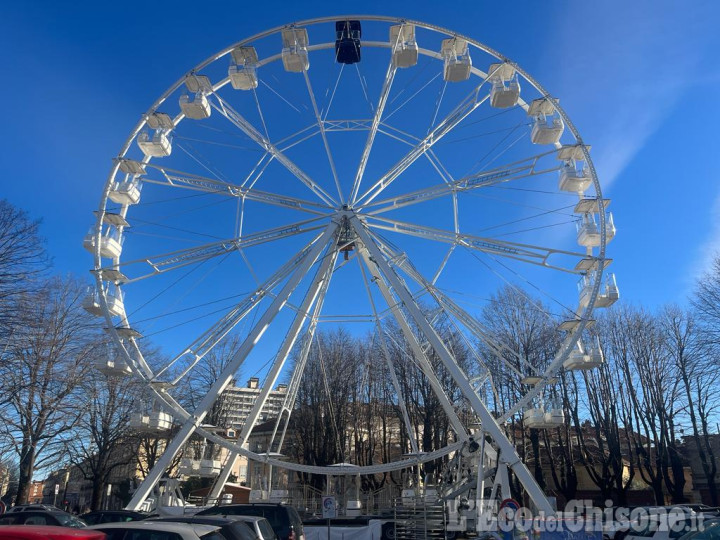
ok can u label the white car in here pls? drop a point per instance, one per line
(158, 530)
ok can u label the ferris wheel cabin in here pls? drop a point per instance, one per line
(404, 46)
(347, 41)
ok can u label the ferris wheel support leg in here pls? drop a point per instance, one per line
(316, 292)
(227, 374)
(420, 356)
(508, 455)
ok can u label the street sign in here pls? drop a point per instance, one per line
(329, 507)
(57, 489)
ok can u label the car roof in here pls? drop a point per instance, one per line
(217, 518)
(45, 532)
(159, 525)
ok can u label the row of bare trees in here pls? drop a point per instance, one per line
(54, 408)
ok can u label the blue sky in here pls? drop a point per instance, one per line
(640, 81)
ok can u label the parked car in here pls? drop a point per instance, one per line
(158, 530)
(47, 532)
(112, 516)
(42, 517)
(284, 519)
(233, 527)
(24, 507)
(709, 531)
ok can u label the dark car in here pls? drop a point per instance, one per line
(47, 532)
(232, 527)
(112, 516)
(284, 520)
(42, 517)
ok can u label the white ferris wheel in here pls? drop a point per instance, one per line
(354, 172)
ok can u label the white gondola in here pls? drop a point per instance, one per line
(196, 107)
(404, 46)
(583, 359)
(126, 192)
(139, 422)
(544, 416)
(159, 421)
(534, 418)
(456, 55)
(505, 86)
(156, 145)
(243, 69)
(585, 290)
(210, 467)
(189, 467)
(111, 242)
(113, 297)
(588, 231)
(112, 366)
(295, 54)
(91, 302)
(574, 179)
(554, 417)
(609, 294)
(548, 126)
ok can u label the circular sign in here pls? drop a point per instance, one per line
(510, 503)
(2, 508)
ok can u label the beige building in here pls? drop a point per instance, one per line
(239, 401)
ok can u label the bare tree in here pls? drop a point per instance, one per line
(41, 374)
(103, 441)
(697, 370)
(22, 260)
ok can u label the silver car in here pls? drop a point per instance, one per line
(158, 530)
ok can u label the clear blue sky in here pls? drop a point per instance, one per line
(639, 79)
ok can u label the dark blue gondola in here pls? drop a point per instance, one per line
(347, 41)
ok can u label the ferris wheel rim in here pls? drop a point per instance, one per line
(571, 338)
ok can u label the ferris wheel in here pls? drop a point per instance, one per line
(352, 172)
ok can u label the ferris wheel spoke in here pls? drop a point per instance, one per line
(466, 107)
(165, 262)
(513, 171)
(321, 127)
(246, 127)
(527, 253)
(379, 110)
(201, 346)
(500, 350)
(391, 368)
(313, 297)
(489, 424)
(180, 179)
(378, 277)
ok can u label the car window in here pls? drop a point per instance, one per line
(244, 531)
(215, 535)
(91, 519)
(266, 529)
(36, 520)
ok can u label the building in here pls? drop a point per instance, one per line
(35, 495)
(238, 402)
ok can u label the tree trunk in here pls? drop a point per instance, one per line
(27, 464)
